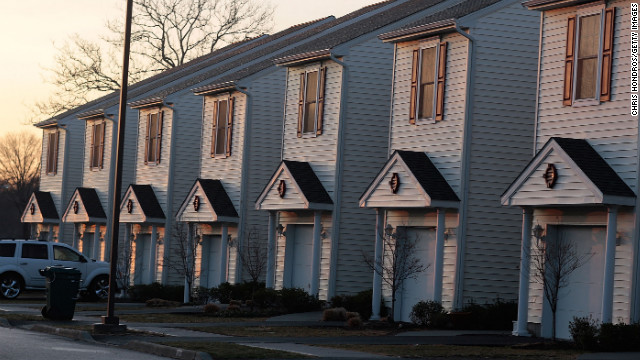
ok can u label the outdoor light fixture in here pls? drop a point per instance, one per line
(449, 232)
(619, 236)
(280, 230)
(538, 233)
(388, 230)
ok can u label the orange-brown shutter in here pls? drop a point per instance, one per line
(321, 78)
(56, 140)
(230, 124)
(146, 140)
(442, 70)
(567, 95)
(159, 137)
(213, 128)
(607, 54)
(104, 125)
(301, 104)
(93, 146)
(414, 86)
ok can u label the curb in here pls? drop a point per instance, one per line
(4, 322)
(70, 333)
(166, 351)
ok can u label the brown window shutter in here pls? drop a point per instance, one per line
(230, 124)
(146, 141)
(159, 141)
(104, 125)
(442, 72)
(93, 146)
(321, 78)
(56, 139)
(414, 86)
(607, 54)
(301, 104)
(214, 123)
(567, 95)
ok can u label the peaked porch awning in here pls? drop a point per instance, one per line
(207, 202)
(294, 186)
(85, 207)
(40, 209)
(568, 172)
(409, 180)
(140, 205)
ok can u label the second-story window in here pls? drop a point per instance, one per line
(427, 83)
(588, 57)
(222, 127)
(97, 145)
(311, 102)
(52, 152)
(153, 138)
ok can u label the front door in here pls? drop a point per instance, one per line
(298, 255)
(142, 259)
(423, 246)
(210, 262)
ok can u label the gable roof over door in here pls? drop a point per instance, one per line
(84, 207)
(417, 182)
(207, 202)
(40, 209)
(581, 177)
(294, 186)
(140, 205)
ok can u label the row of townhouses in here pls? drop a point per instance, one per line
(479, 128)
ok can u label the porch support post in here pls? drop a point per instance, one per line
(96, 242)
(609, 265)
(224, 240)
(315, 253)
(50, 233)
(523, 293)
(152, 253)
(186, 294)
(377, 278)
(439, 261)
(271, 250)
(76, 235)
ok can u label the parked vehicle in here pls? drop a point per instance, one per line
(21, 260)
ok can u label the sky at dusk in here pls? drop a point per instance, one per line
(31, 30)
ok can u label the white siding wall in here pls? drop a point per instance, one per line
(98, 178)
(607, 126)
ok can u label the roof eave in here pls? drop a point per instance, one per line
(92, 114)
(303, 58)
(215, 88)
(543, 5)
(149, 102)
(421, 31)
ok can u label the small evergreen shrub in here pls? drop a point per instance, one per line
(297, 300)
(334, 314)
(266, 298)
(161, 303)
(584, 332)
(354, 322)
(360, 302)
(142, 293)
(211, 309)
(424, 312)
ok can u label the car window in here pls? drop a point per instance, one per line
(7, 250)
(34, 251)
(62, 253)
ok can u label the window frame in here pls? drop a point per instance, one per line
(591, 11)
(439, 83)
(52, 152)
(320, 89)
(98, 128)
(225, 151)
(434, 45)
(157, 139)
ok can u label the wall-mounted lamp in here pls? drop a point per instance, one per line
(388, 230)
(231, 241)
(619, 237)
(448, 233)
(281, 230)
(538, 233)
(323, 233)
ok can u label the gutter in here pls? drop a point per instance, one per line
(169, 214)
(466, 155)
(536, 111)
(244, 192)
(335, 226)
(65, 176)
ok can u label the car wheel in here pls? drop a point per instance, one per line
(99, 288)
(10, 286)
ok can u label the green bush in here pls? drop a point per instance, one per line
(297, 300)
(360, 303)
(496, 316)
(619, 337)
(226, 292)
(584, 332)
(142, 293)
(424, 312)
(266, 298)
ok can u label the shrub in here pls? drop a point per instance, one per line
(351, 314)
(200, 295)
(225, 292)
(297, 300)
(162, 303)
(424, 312)
(496, 316)
(266, 298)
(142, 293)
(211, 309)
(619, 337)
(360, 302)
(334, 314)
(233, 308)
(584, 332)
(354, 322)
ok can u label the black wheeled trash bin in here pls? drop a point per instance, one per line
(62, 291)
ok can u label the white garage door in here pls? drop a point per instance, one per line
(298, 257)
(420, 288)
(583, 296)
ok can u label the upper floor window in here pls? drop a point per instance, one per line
(52, 152)
(153, 141)
(588, 56)
(428, 72)
(311, 102)
(222, 127)
(97, 145)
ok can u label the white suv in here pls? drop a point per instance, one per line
(21, 260)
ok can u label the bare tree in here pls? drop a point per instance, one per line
(165, 34)
(184, 261)
(552, 262)
(253, 255)
(123, 269)
(398, 262)
(19, 172)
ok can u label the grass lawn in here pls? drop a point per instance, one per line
(183, 318)
(221, 351)
(289, 331)
(452, 351)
